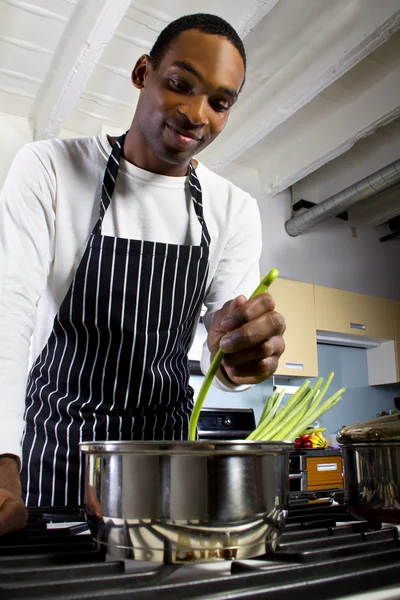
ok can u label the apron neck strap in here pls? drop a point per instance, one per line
(110, 177)
(197, 199)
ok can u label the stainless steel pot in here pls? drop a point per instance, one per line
(371, 454)
(186, 501)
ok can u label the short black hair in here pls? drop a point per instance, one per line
(206, 23)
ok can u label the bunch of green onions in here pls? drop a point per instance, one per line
(303, 408)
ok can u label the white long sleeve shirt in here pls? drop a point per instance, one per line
(48, 207)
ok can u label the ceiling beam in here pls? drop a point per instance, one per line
(253, 15)
(91, 27)
(325, 135)
(273, 101)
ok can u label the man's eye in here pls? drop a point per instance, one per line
(177, 85)
(220, 105)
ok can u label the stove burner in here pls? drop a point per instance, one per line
(323, 551)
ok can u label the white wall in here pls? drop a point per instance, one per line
(325, 255)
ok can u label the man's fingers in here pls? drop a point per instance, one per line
(13, 514)
(216, 332)
(254, 372)
(255, 332)
(228, 308)
(247, 311)
(275, 346)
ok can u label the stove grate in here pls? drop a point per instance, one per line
(315, 556)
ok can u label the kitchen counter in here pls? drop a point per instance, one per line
(318, 452)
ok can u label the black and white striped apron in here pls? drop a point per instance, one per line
(115, 366)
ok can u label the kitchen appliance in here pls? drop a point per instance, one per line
(371, 453)
(298, 475)
(322, 554)
(186, 501)
(225, 424)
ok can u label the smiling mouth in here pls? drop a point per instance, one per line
(182, 139)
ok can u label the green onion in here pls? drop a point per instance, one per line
(262, 432)
(268, 409)
(257, 433)
(316, 414)
(303, 408)
(295, 416)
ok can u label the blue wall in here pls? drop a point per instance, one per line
(359, 403)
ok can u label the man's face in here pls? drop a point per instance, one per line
(184, 104)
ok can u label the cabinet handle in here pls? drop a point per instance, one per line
(299, 366)
(296, 475)
(358, 326)
(327, 467)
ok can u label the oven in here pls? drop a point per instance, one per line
(298, 476)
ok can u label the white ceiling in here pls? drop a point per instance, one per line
(322, 75)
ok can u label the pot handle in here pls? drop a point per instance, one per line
(340, 496)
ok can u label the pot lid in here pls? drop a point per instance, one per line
(383, 429)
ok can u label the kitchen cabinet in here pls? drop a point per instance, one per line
(344, 312)
(382, 366)
(325, 472)
(295, 301)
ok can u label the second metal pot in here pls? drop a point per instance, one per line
(371, 454)
(186, 501)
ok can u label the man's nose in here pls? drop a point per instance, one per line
(195, 110)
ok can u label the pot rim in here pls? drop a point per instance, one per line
(201, 448)
(371, 444)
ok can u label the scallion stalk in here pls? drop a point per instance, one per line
(268, 408)
(314, 415)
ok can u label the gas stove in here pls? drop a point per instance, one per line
(323, 553)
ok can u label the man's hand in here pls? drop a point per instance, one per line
(13, 513)
(254, 343)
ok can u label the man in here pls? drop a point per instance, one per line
(109, 247)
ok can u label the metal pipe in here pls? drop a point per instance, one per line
(338, 203)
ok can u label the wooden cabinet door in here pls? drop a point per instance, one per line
(350, 313)
(396, 310)
(295, 301)
(325, 472)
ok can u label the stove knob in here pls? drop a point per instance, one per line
(228, 421)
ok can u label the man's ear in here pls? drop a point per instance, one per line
(141, 71)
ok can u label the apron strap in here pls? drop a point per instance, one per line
(197, 199)
(110, 177)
